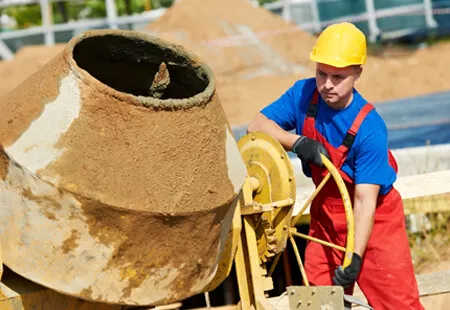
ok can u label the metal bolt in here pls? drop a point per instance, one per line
(313, 291)
(253, 137)
(309, 303)
(292, 292)
(290, 178)
(299, 303)
(282, 156)
(333, 290)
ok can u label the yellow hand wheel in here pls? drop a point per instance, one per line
(350, 242)
(262, 153)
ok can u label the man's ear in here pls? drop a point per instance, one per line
(358, 72)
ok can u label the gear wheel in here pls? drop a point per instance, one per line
(267, 240)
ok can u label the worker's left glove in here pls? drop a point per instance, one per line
(346, 277)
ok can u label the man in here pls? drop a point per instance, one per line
(331, 118)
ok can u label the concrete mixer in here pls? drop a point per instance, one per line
(122, 185)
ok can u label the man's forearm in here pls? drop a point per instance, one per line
(267, 126)
(364, 214)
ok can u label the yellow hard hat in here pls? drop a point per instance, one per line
(340, 45)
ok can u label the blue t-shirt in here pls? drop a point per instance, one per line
(367, 160)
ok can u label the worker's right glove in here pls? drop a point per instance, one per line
(309, 150)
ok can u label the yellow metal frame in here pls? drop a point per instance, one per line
(268, 193)
(265, 190)
(350, 244)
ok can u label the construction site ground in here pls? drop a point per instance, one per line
(256, 56)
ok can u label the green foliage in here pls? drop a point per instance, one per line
(262, 2)
(30, 15)
(25, 16)
(431, 244)
(166, 3)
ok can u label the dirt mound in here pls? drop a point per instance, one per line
(26, 61)
(256, 56)
(236, 38)
(384, 78)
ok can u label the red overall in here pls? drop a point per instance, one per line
(387, 276)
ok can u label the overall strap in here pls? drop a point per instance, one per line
(351, 133)
(309, 124)
(312, 109)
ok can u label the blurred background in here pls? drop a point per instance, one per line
(257, 50)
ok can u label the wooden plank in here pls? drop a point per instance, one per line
(428, 184)
(434, 283)
(423, 193)
(429, 204)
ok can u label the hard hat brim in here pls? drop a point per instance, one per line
(338, 63)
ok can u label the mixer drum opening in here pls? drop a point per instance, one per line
(131, 65)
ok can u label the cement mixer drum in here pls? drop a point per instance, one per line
(119, 175)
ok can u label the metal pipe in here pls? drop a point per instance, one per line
(331, 245)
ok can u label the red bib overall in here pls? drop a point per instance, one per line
(387, 276)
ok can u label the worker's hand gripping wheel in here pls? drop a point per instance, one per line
(270, 195)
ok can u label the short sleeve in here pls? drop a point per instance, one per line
(283, 110)
(372, 160)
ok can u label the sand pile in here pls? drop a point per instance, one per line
(26, 61)
(262, 55)
(385, 78)
(252, 71)
(411, 74)
(259, 58)
(201, 26)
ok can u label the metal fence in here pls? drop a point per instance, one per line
(379, 19)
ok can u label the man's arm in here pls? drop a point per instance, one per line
(263, 124)
(280, 117)
(365, 202)
(371, 169)
(308, 150)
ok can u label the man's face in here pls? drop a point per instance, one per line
(335, 85)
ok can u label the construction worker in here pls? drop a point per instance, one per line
(332, 118)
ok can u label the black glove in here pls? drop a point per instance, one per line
(346, 277)
(309, 150)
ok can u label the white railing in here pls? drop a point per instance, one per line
(112, 20)
(371, 15)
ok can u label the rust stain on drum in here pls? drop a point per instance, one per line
(71, 243)
(4, 164)
(138, 257)
(46, 203)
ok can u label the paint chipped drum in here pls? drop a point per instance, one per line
(119, 175)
